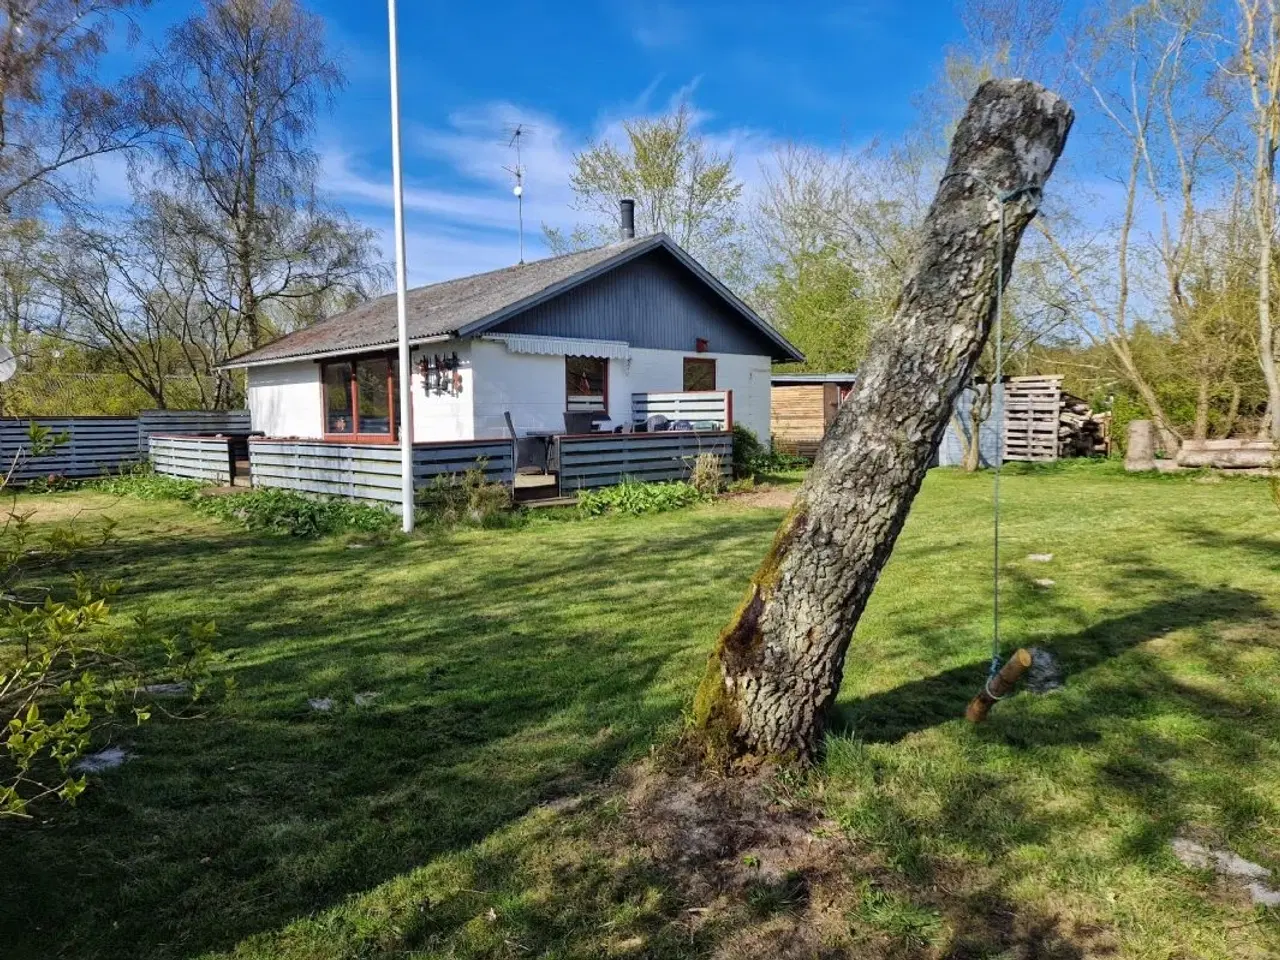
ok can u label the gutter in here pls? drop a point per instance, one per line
(326, 354)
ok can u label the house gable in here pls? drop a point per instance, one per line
(651, 302)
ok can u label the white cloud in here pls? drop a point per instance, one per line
(461, 216)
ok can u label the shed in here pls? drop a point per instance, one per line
(803, 406)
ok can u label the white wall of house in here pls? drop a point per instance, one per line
(448, 414)
(530, 386)
(663, 370)
(284, 399)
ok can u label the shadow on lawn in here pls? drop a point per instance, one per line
(509, 669)
(941, 698)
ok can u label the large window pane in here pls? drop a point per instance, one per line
(585, 379)
(339, 414)
(373, 395)
(699, 374)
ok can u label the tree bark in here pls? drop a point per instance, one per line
(777, 665)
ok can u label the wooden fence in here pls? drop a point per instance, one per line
(90, 446)
(371, 471)
(191, 421)
(709, 406)
(602, 460)
(197, 458)
(97, 445)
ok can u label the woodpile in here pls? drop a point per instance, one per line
(1043, 424)
(1081, 432)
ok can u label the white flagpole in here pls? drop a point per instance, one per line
(405, 378)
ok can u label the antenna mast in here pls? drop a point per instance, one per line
(517, 134)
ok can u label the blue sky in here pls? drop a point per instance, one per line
(757, 73)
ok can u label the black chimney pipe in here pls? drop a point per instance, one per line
(628, 208)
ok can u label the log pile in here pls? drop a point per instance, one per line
(1043, 423)
(1081, 432)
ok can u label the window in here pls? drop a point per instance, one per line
(586, 383)
(699, 374)
(360, 400)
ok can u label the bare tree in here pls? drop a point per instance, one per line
(1258, 56)
(777, 665)
(234, 94)
(55, 114)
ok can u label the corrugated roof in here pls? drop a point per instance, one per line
(468, 305)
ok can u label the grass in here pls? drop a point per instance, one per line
(515, 669)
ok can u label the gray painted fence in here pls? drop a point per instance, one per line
(197, 458)
(191, 421)
(951, 450)
(97, 445)
(371, 471)
(93, 445)
(605, 460)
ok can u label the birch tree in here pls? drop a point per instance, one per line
(1259, 65)
(234, 96)
(777, 665)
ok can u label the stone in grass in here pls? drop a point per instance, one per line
(366, 698)
(106, 759)
(1040, 557)
(1044, 582)
(320, 704)
(1227, 864)
(1044, 675)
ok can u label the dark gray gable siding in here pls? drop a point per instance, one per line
(651, 302)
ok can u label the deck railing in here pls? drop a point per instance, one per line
(602, 460)
(197, 458)
(703, 406)
(368, 471)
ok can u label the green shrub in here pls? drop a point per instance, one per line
(295, 514)
(145, 484)
(68, 672)
(633, 498)
(751, 458)
(466, 498)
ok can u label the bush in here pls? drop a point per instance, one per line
(707, 477)
(633, 498)
(295, 514)
(751, 458)
(467, 498)
(67, 671)
(143, 483)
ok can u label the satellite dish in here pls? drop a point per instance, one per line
(8, 364)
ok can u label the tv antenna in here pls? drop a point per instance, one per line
(517, 134)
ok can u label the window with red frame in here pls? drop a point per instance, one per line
(360, 400)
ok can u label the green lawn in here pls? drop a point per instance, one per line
(515, 668)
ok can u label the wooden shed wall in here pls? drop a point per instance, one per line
(800, 416)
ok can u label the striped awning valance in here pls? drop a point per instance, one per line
(566, 346)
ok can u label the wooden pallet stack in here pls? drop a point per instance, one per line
(1042, 423)
(1032, 411)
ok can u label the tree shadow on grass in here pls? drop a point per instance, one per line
(923, 703)
(508, 669)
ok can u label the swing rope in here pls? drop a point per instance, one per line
(1002, 198)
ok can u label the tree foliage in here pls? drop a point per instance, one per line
(683, 186)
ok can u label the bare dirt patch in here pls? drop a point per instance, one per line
(775, 497)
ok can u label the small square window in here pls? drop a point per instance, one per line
(699, 374)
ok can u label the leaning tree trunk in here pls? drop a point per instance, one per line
(777, 666)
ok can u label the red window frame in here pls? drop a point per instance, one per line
(698, 361)
(355, 436)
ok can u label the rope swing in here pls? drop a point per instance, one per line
(1001, 679)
